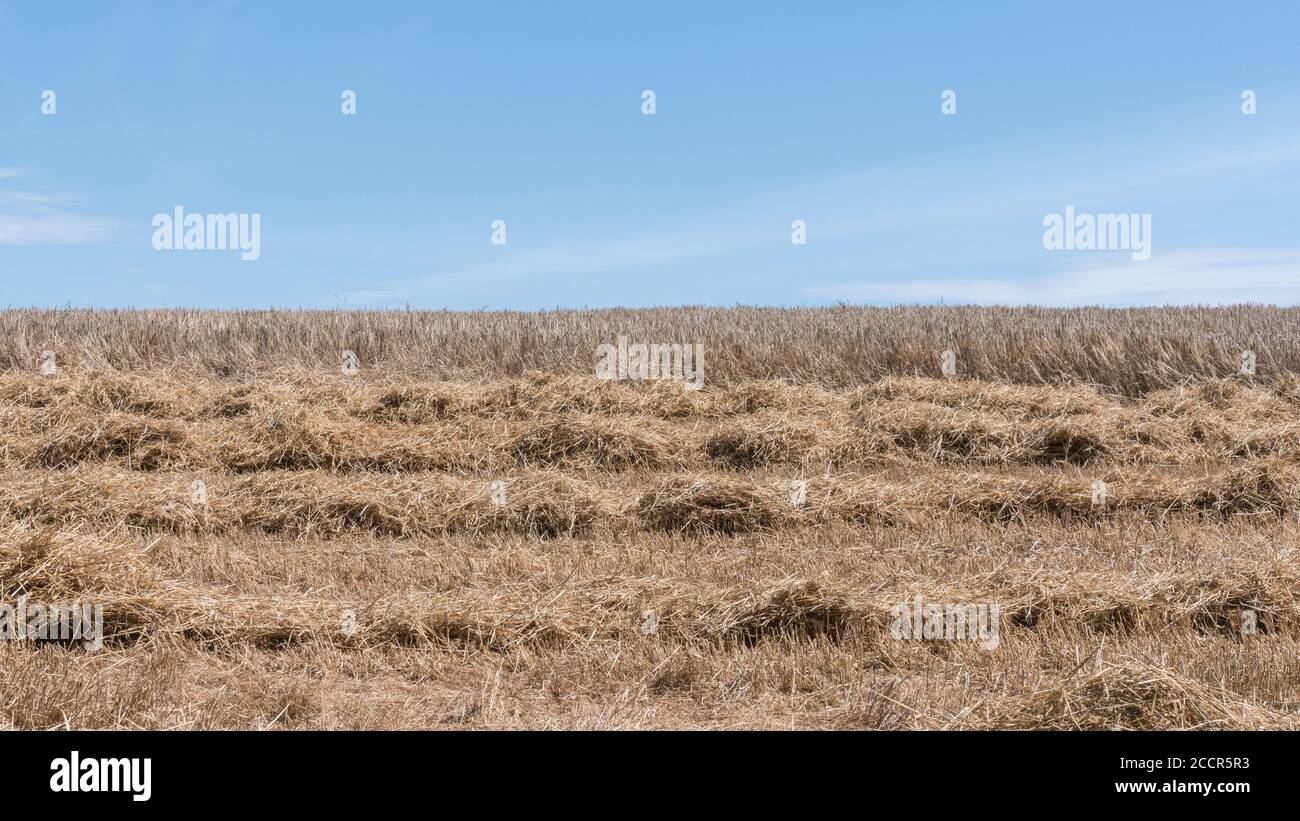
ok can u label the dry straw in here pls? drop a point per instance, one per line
(522, 544)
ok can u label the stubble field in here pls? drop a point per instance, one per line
(472, 531)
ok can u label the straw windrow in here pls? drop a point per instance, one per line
(444, 540)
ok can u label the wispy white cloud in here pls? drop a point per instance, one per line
(971, 187)
(45, 218)
(559, 262)
(56, 229)
(1192, 276)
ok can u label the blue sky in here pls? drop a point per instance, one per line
(531, 113)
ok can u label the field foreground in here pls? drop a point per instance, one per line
(277, 546)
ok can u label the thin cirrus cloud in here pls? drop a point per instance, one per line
(555, 263)
(974, 189)
(43, 218)
(1212, 276)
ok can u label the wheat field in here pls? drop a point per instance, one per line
(473, 531)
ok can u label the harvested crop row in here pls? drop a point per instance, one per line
(183, 395)
(180, 396)
(646, 684)
(292, 435)
(139, 601)
(1132, 694)
(305, 440)
(301, 503)
(548, 504)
